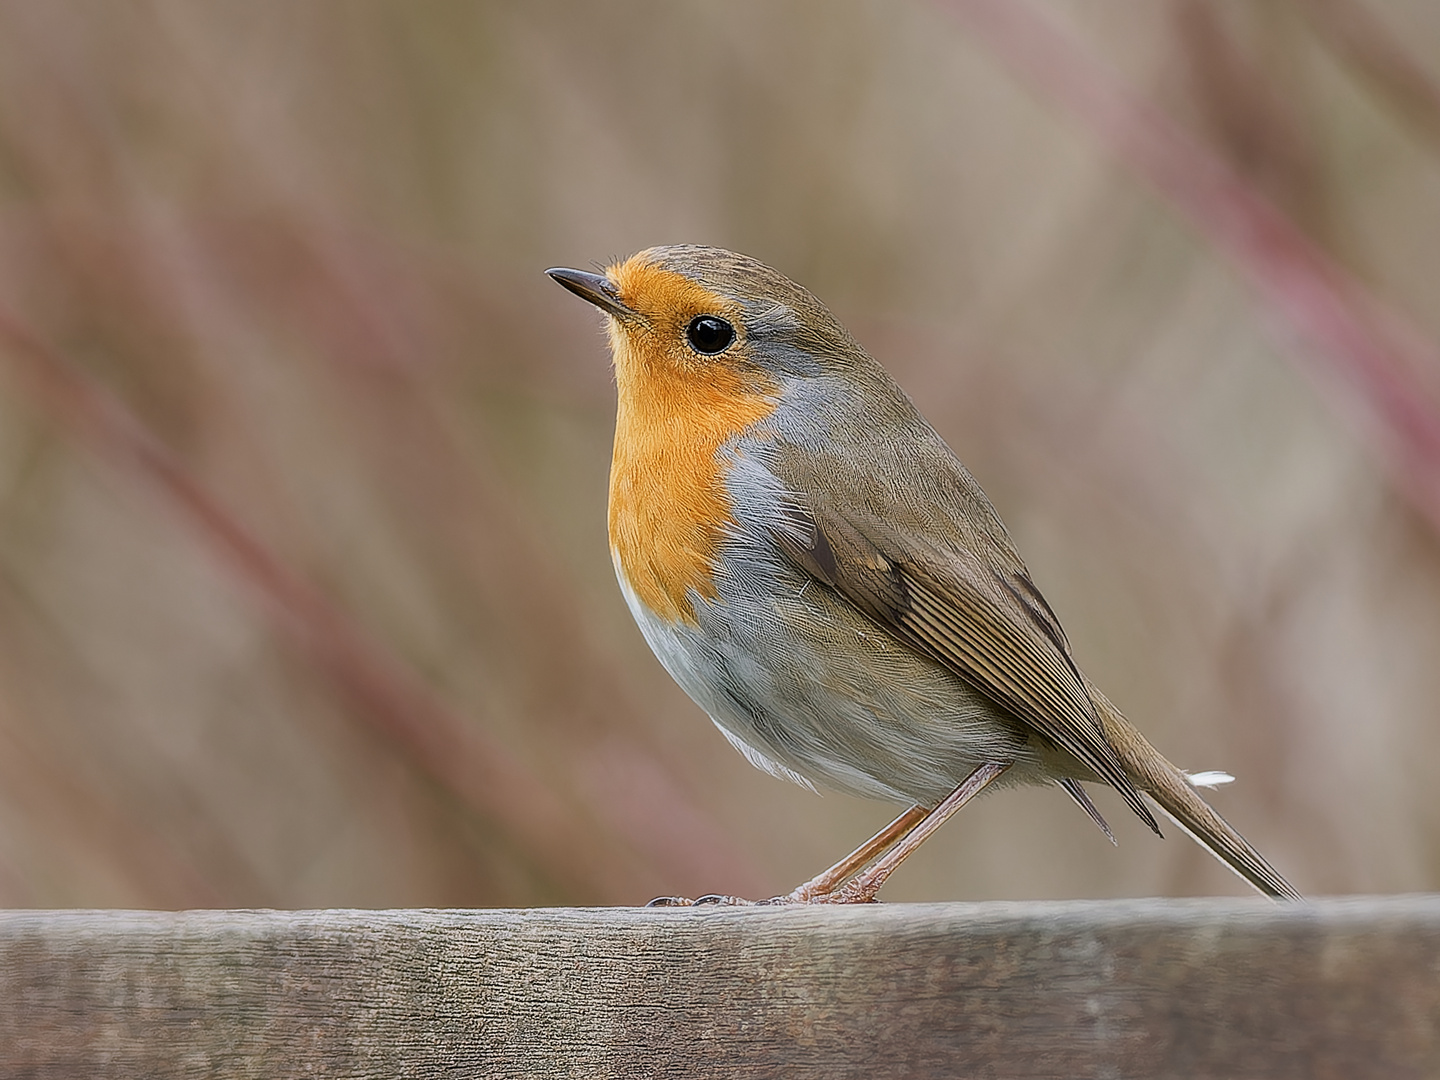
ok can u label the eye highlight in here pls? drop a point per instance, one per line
(709, 334)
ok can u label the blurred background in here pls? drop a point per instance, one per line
(305, 593)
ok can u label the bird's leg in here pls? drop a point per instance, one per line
(823, 884)
(887, 849)
(862, 889)
(827, 881)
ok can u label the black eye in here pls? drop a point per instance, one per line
(709, 335)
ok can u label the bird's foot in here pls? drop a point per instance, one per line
(859, 890)
(855, 892)
(709, 900)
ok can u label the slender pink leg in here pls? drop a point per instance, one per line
(827, 881)
(818, 888)
(887, 849)
(862, 889)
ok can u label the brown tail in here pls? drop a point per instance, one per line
(1168, 786)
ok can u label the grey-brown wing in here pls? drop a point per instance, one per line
(987, 623)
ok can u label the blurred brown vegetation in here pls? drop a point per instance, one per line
(305, 597)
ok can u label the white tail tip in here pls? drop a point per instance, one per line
(1211, 779)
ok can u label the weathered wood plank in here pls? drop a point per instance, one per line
(1233, 989)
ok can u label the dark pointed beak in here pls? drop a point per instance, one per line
(595, 288)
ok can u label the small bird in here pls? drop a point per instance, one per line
(818, 571)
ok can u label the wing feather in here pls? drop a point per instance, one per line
(992, 629)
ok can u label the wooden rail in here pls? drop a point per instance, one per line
(1332, 989)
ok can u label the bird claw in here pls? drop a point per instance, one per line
(708, 900)
(853, 893)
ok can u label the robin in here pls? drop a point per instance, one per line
(813, 565)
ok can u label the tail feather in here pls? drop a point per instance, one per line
(1075, 791)
(1172, 790)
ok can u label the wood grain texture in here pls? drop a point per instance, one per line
(1336, 988)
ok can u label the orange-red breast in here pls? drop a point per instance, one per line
(813, 565)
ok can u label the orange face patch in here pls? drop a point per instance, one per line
(668, 504)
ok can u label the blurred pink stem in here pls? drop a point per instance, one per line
(1357, 36)
(560, 839)
(1375, 353)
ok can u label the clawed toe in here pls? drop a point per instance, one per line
(855, 892)
(708, 900)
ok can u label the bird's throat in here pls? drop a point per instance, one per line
(669, 507)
